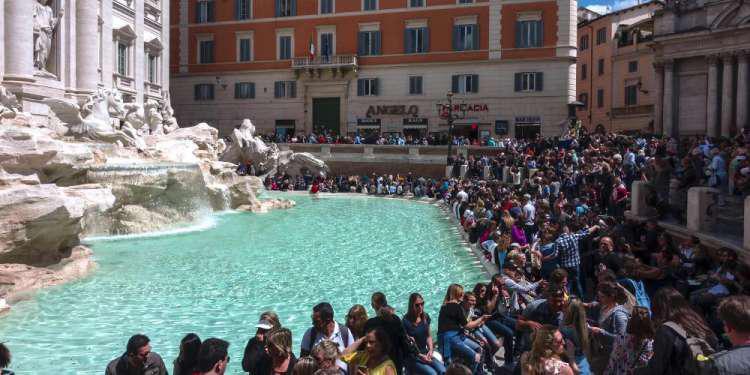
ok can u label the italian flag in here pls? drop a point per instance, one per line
(312, 49)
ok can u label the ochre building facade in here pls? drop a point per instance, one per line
(364, 66)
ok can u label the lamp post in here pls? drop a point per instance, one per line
(450, 126)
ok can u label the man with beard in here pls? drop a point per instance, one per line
(138, 359)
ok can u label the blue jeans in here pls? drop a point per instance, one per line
(455, 342)
(417, 367)
(486, 333)
(574, 280)
(504, 326)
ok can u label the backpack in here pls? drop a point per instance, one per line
(345, 337)
(699, 352)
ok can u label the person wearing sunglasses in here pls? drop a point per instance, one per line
(417, 326)
(137, 359)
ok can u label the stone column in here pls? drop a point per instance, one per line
(659, 105)
(742, 94)
(87, 45)
(669, 128)
(712, 108)
(139, 66)
(727, 95)
(19, 40)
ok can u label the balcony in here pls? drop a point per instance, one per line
(336, 64)
(152, 90)
(634, 110)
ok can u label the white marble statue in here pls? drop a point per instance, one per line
(93, 120)
(246, 148)
(9, 106)
(167, 114)
(45, 23)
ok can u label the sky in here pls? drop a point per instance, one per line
(606, 6)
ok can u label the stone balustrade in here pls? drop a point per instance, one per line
(702, 206)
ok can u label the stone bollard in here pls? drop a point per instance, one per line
(325, 150)
(699, 198)
(674, 197)
(448, 171)
(368, 151)
(486, 172)
(638, 206)
(506, 174)
(746, 229)
(462, 172)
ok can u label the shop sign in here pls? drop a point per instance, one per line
(415, 121)
(368, 121)
(464, 107)
(501, 127)
(528, 120)
(395, 110)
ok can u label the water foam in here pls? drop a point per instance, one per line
(205, 223)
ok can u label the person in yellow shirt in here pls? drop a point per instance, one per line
(373, 360)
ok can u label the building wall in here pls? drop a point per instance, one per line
(83, 54)
(612, 80)
(495, 61)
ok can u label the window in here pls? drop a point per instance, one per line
(204, 91)
(242, 9)
(286, 8)
(465, 37)
(599, 98)
(584, 71)
(122, 59)
(285, 89)
(584, 98)
(416, 3)
(416, 40)
(205, 51)
(415, 85)
(583, 44)
(465, 83)
(631, 95)
(465, 1)
(600, 66)
(204, 11)
(326, 6)
(529, 34)
(244, 90)
(285, 47)
(633, 66)
(245, 49)
(529, 81)
(326, 45)
(369, 4)
(153, 68)
(601, 36)
(367, 86)
(369, 43)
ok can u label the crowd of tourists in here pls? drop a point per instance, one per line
(400, 139)
(581, 288)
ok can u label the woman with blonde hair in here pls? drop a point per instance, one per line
(576, 331)
(305, 366)
(546, 354)
(279, 349)
(452, 323)
(355, 321)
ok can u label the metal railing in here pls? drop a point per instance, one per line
(325, 61)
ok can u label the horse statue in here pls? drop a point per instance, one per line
(93, 119)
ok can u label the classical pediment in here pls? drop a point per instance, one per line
(154, 44)
(734, 14)
(125, 32)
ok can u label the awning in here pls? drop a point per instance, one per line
(412, 127)
(368, 127)
(285, 126)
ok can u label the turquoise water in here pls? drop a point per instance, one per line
(216, 281)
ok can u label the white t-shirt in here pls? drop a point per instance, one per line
(530, 212)
(335, 337)
(462, 196)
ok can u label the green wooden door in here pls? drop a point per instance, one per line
(326, 115)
